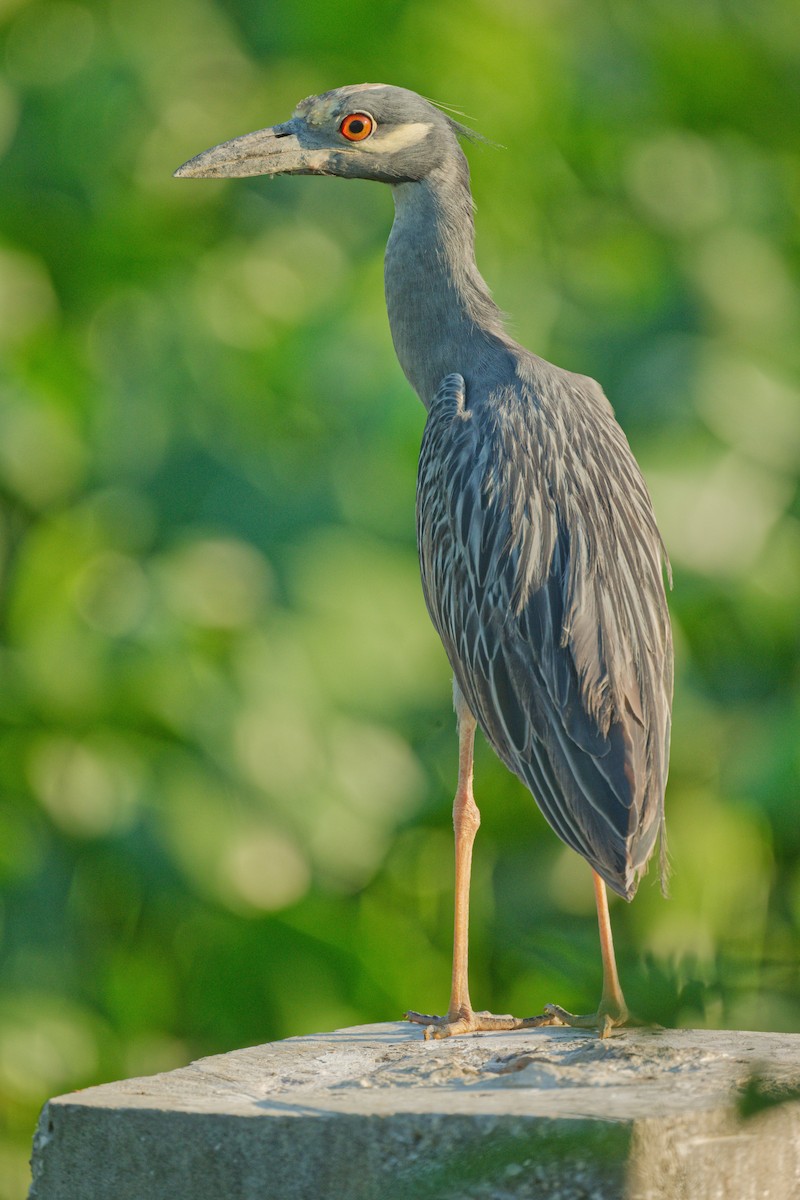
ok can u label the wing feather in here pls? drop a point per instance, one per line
(542, 571)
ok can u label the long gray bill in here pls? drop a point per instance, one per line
(274, 151)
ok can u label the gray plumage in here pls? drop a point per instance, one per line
(540, 557)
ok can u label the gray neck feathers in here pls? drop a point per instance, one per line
(441, 314)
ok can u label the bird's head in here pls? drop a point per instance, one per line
(369, 131)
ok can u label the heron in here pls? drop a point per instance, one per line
(541, 561)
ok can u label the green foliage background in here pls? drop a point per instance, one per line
(227, 749)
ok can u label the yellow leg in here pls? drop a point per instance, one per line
(612, 1009)
(466, 820)
(460, 1016)
(612, 999)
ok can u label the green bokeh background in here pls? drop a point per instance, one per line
(227, 750)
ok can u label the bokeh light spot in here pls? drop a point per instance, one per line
(90, 789)
(44, 1044)
(220, 583)
(27, 299)
(262, 870)
(679, 180)
(112, 593)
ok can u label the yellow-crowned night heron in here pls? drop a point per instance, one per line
(541, 561)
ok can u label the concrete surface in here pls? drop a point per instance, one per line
(375, 1113)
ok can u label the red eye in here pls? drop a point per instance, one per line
(356, 127)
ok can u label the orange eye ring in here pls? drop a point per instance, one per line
(357, 126)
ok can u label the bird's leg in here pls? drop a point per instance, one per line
(612, 1001)
(612, 1009)
(466, 820)
(460, 1016)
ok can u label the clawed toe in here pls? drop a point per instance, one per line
(606, 1018)
(439, 1027)
(467, 1021)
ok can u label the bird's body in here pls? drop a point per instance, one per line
(535, 623)
(540, 557)
(539, 551)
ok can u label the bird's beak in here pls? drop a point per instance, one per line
(275, 151)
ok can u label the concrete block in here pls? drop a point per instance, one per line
(376, 1113)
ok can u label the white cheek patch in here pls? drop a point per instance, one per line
(397, 139)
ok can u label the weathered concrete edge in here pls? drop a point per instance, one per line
(131, 1153)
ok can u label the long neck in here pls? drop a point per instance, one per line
(441, 314)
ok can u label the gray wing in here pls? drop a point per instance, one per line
(542, 571)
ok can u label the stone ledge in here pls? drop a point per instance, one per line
(375, 1113)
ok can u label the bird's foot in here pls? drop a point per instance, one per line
(464, 1020)
(609, 1015)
